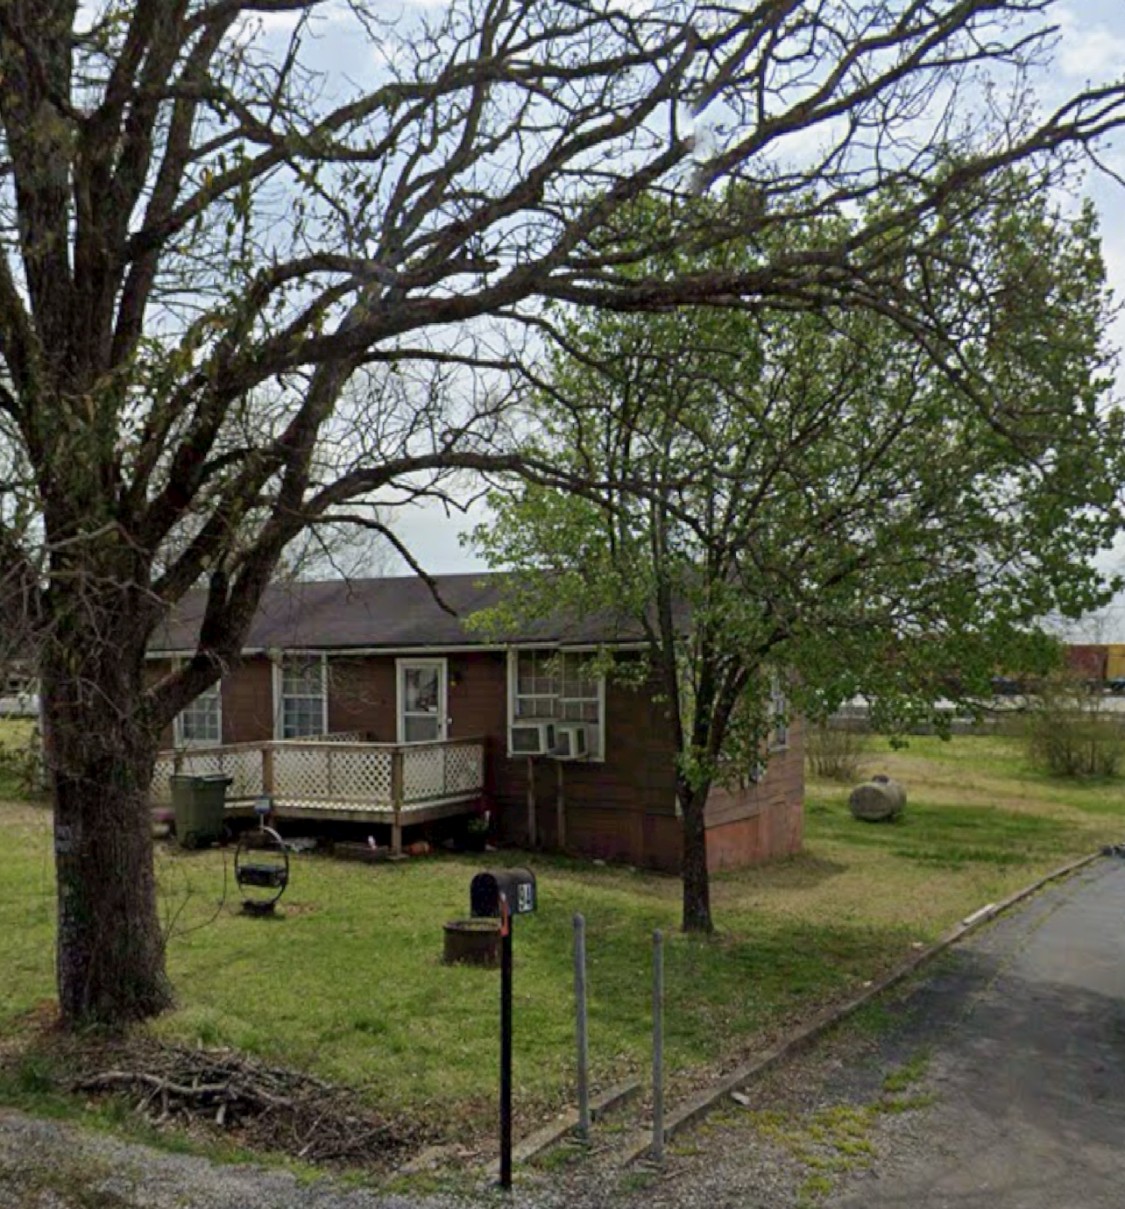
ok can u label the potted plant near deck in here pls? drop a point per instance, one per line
(476, 830)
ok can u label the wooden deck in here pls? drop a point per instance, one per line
(338, 777)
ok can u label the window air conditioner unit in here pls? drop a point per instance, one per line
(533, 738)
(570, 741)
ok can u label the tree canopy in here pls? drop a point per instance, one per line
(826, 495)
(234, 283)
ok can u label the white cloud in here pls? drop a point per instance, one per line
(433, 537)
(1089, 50)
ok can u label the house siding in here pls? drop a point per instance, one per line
(361, 697)
(247, 702)
(246, 696)
(764, 821)
(610, 805)
(620, 809)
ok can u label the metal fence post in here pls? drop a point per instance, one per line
(658, 1045)
(580, 1026)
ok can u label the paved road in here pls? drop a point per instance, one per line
(1028, 1068)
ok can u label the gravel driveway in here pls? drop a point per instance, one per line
(996, 1080)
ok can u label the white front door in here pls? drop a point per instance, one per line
(422, 700)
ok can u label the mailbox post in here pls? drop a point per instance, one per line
(505, 1042)
(502, 893)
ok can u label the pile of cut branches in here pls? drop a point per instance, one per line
(268, 1108)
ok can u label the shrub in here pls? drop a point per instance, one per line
(834, 753)
(1071, 734)
(21, 762)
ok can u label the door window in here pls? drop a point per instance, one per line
(422, 696)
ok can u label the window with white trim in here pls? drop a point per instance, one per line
(202, 720)
(559, 685)
(304, 697)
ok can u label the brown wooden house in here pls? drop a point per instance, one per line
(367, 701)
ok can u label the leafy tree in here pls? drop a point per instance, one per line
(234, 280)
(828, 495)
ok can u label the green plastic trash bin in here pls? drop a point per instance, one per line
(198, 804)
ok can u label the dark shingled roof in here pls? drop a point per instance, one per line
(394, 612)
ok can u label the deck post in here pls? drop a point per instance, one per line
(532, 820)
(560, 806)
(396, 801)
(266, 752)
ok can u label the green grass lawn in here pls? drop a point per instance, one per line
(349, 983)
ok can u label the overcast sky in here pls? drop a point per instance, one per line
(1091, 47)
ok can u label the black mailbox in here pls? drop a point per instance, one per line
(517, 885)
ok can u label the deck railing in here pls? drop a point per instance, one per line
(334, 773)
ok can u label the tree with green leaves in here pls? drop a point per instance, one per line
(246, 246)
(829, 496)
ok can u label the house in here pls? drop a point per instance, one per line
(373, 703)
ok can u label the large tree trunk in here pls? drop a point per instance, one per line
(694, 876)
(100, 750)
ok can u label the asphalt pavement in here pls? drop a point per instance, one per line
(1026, 1036)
